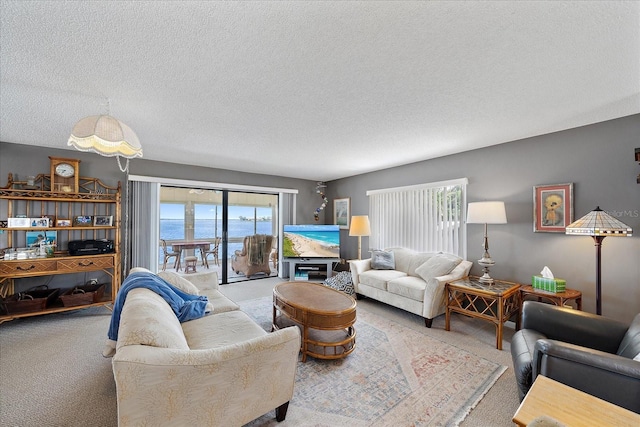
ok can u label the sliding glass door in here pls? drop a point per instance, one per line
(222, 222)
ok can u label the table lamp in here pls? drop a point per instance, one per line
(360, 227)
(598, 224)
(486, 213)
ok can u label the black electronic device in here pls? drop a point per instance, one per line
(90, 247)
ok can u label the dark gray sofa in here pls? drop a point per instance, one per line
(582, 350)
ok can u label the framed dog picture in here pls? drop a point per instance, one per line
(552, 207)
(103, 220)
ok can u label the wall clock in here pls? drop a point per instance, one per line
(65, 174)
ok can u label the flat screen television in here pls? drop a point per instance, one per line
(311, 241)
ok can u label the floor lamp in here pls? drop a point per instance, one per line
(486, 213)
(360, 227)
(598, 224)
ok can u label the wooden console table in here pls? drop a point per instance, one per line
(570, 407)
(495, 302)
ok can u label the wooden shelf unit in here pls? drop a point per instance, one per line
(38, 200)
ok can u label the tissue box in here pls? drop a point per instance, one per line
(550, 285)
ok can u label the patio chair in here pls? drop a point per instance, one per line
(168, 255)
(213, 251)
(254, 256)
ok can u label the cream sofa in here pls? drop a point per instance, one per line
(413, 282)
(220, 370)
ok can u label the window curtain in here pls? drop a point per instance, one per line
(144, 220)
(287, 216)
(425, 217)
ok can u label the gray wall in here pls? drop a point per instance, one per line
(23, 160)
(599, 161)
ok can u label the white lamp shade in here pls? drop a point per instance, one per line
(360, 226)
(486, 213)
(106, 136)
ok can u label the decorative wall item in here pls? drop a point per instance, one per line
(552, 207)
(103, 220)
(82, 221)
(342, 212)
(638, 160)
(320, 190)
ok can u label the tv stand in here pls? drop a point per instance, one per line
(299, 264)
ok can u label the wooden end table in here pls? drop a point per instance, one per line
(495, 302)
(559, 298)
(325, 315)
(570, 407)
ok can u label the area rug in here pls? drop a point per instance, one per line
(395, 377)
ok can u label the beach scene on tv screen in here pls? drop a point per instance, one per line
(311, 241)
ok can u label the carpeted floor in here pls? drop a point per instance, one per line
(52, 372)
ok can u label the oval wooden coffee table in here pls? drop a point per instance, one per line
(326, 317)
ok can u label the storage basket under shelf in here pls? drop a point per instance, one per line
(29, 301)
(81, 295)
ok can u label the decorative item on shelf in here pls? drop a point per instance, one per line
(552, 207)
(63, 223)
(65, 175)
(40, 222)
(103, 220)
(320, 190)
(34, 238)
(106, 136)
(342, 212)
(360, 226)
(82, 221)
(486, 213)
(19, 222)
(598, 224)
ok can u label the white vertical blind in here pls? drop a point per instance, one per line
(425, 217)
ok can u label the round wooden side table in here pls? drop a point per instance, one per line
(560, 298)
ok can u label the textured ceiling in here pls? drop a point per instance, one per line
(316, 90)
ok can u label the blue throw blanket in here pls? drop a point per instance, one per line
(185, 306)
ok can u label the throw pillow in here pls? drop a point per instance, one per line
(341, 282)
(179, 282)
(637, 358)
(436, 266)
(382, 260)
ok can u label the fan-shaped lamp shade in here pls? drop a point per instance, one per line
(106, 136)
(599, 223)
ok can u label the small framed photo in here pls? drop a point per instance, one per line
(18, 222)
(341, 212)
(52, 219)
(82, 221)
(552, 207)
(63, 223)
(103, 220)
(40, 222)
